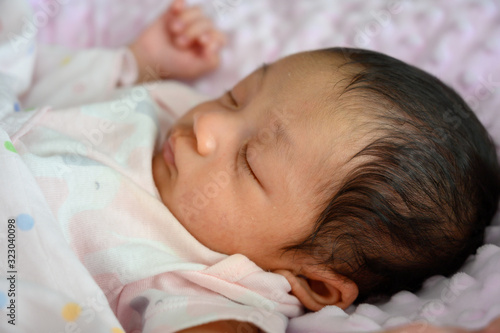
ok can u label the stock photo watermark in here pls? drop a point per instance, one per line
(123, 107)
(31, 25)
(12, 270)
(380, 19)
(224, 7)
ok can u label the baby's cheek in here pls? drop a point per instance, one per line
(209, 191)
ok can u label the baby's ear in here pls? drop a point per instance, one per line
(318, 289)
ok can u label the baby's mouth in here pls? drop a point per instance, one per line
(168, 152)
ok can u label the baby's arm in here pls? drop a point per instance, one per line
(181, 44)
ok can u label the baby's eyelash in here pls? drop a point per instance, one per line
(245, 164)
(230, 95)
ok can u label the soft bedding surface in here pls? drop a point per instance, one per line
(458, 41)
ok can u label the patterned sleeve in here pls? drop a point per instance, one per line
(64, 77)
(48, 75)
(17, 53)
(162, 312)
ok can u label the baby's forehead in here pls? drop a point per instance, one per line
(312, 77)
(310, 88)
(328, 65)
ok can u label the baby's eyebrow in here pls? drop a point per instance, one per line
(281, 141)
(281, 136)
(263, 69)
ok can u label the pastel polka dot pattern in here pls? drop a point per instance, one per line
(3, 300)
(9, 146)
(31, 49)
(117, 330)
(66, 60)
(79, 87)
(25, 222)
(17, 107)
(71, 311)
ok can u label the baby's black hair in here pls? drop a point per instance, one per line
(418, 203)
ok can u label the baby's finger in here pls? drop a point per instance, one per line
(176, 6)
(211, 52)
(213, 43)
(199, 30)
(170, 16)
(219, 37)
(186, 18)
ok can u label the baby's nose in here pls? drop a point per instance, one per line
(205, 129)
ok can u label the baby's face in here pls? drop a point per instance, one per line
(243, 172)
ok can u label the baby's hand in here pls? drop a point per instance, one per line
(181, 44)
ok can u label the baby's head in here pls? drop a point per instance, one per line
(349, 172)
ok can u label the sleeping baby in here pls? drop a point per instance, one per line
(327, 178)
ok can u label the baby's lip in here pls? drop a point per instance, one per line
(169, 151)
